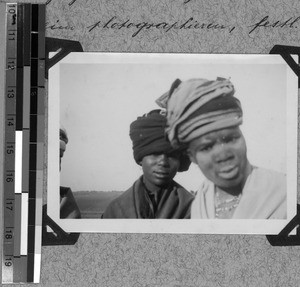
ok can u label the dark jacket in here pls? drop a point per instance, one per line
(68, 205)
(173, 202)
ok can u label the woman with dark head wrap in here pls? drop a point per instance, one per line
(204, 117)
(68, 205)
(155, 194)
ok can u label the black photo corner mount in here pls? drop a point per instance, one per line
(283, 238)
(62, 48)
(57, 236)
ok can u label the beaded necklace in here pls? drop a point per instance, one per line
(225, 208)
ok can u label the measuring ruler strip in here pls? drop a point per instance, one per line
(32, 149)
(40, 138)
(25, 126)
(26, 135)
(37, 137)
(24, 142)
(9, 151)
(19, 204)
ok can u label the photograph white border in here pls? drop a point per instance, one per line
(196, 226)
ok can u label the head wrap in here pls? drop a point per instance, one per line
(199, 106)
(148, 137)
(63, 139)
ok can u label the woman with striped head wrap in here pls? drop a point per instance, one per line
(204, 117)
(155, 194)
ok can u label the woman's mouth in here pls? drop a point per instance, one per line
(228, 172)
(161, 174)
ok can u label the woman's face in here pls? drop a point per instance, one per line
(159, 170)
(222, 157)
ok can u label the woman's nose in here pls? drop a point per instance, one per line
(163, 159)
(222, 152)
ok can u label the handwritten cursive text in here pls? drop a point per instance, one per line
(265, 23)
(70, 3)
(190, 24)
(58, 26)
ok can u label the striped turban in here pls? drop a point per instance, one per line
(148, 137)
(199, 106)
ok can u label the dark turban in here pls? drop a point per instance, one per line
(63, 139)
(148, 137)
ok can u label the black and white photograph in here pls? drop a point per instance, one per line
(172, 143)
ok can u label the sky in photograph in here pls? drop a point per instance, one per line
(101, 95)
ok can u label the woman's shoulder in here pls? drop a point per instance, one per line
(206, 186)
(182, 190)
(268, 174)
(124, 197)
(273, 183)
(118, 206)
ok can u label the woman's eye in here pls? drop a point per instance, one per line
(155, 154)
(231, 139)
(206, 148)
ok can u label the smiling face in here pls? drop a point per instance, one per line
(222, 157)
(159, 170)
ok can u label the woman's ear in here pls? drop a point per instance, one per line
(191, 156)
